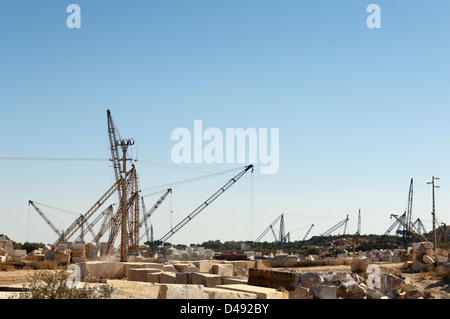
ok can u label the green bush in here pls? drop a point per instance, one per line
(47, 284)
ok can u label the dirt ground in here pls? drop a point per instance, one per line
(436, 288)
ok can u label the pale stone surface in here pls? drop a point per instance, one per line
(360, 264)
(154, 277)
(261, 292)
(427, 260)
(176, 291)
(168, 278)
(325, 292)
(220, 293)
(204, 265)
(140, 274)
(311, 280)
(186, 268)
(134, 290)
(300, 293)
(169, 268)
(223, 270)
(207, 280)
(390, 282)
(234, 280)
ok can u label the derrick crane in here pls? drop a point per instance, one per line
(332, 229)
(403, 217)
(151, 211)
(52, 226)
(408, 221)
(82, 219)
(270, 227)
(420, 226)
(287, 238)
(106, 214)
(128, 222)
(230, 183)
(408, 228)
(358, 232)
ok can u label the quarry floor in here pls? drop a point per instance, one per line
(437, 288)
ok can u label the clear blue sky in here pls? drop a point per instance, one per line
(360, 111)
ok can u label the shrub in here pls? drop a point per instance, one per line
(47, 284)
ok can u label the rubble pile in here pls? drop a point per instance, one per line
(363, 281)
(424, 258)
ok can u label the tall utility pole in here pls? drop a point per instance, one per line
(124, 144)
(434, 210)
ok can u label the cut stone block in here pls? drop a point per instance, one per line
(246, 264)
(325, 292)
(133, 265)
(207, 280)
(184, 278)
(360, 264)
(428, 260)
(175, 291)
(116, 270)
(186, 268)
(223, 270)
(220, 293)
(20, 252)
(78, 253)
(168, 278)
(78, 259)
(300, 293)
(134, 290)
(273, 278)
(262, 263)
(310, 280)
(140, 274)
(169, 268)
(154, 277)
(261, 292)
(234, 280)
(204, 265)
(62, 258)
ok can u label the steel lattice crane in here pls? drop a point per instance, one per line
(408, 228)
(150, 213)
(270, 227)
(230, 183)
(60, 233)
(340, 224)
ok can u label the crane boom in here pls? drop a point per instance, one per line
(332, 229)
(52, 226)
(151, 211)
(80, 221)
(115, 159)
(407, 227)
(205, 204)
(267, 230)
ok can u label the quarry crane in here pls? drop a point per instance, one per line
(270, 227)
(396, 223)
(82, 219)
(60, 233)
(358, 231)
(420, 226)
(340, 224)
(129, 220)
(205, 204)
(151, 211)
(104, 214)
(408, 228)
